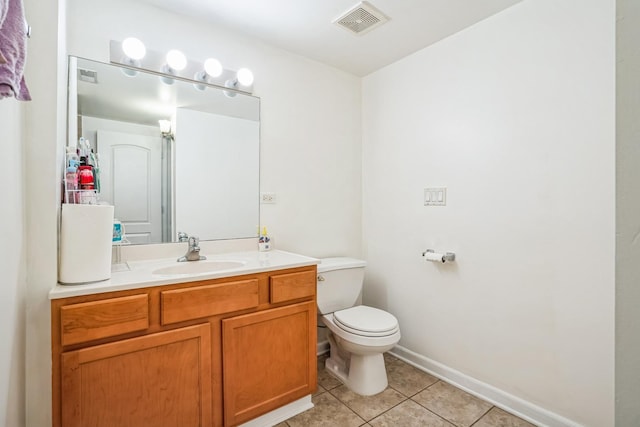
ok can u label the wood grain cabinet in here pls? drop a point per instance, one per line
(210, 353)
(269, 360)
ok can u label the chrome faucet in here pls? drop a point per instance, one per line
(182, 236)
(193, 253)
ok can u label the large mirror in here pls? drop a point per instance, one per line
(199, 175)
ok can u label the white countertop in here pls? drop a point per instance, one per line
(139, 274)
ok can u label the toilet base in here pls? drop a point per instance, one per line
(363, 374)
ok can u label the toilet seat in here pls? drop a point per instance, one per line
(366, 321)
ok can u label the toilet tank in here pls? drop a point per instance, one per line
(339, 283)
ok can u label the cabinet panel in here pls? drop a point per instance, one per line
(287, 287)
(106, 318)
(158, 380)
(203, 301)
(268, 360)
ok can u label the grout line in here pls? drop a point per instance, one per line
(482, 416)
(438, 415)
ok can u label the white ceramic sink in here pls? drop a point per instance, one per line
(198, 267)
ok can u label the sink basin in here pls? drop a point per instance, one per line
(198, 267)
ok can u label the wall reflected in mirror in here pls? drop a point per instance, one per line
(200, 177)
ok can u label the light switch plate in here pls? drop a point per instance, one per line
(435, 196)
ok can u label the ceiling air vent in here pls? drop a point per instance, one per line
(361, 19)
(88, 76)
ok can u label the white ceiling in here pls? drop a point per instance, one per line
(305, 27)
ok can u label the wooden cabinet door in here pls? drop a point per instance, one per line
(158, 380)
(268, 360)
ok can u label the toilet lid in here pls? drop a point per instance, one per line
(366, 320)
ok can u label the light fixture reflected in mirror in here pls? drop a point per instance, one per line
(165, 128)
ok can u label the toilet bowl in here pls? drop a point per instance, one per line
(358, 335)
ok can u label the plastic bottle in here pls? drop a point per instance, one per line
(87, 186)
(71, 180)
(86, 178)
(264, 241)
(73, 160)
(117, 231)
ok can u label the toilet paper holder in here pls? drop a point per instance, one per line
(431, 255)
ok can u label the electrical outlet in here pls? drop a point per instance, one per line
(266, 198)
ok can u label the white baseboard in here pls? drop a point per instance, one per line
(323, 347)
(510, 403)
(279, 415)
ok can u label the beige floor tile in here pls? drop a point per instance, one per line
(453, 404)
(406, 379)
(409, 414)
(368, 407)
(282, 424)
(388, 358)
(325, 379)
(319, 390)
(327, 412)
(496, 417)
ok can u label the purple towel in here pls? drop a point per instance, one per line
(13, 47)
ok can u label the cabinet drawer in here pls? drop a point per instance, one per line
(179, 305)
(105, 318)
(287, 287)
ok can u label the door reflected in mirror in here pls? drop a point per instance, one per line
(201, 176)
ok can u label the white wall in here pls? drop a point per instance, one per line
(627, 218)
(45, 132)
(515, 116)
(310, 118)
(13, 264)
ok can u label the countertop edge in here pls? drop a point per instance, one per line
(122, 284)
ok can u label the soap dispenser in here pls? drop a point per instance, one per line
(264, 241)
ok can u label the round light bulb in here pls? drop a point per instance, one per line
(133, 48)
(176, 60)
(213, 67)
(245, 76)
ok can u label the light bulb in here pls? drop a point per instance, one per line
(133, 48)
(213, 67)
(176, 60)
(245, 76)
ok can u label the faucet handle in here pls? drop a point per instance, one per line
(182, 236)
(194, 241)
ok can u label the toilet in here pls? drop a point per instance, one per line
(358, 335)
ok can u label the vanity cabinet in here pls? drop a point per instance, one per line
(266, 360)
(214, 352)
(162, 379)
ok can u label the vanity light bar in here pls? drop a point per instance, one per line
(156, 63)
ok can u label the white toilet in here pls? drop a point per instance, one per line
(358, 335)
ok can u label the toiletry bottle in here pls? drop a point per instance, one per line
(71, 180)
(264, 241)
(87, 193)
(72, 157)
(117, 231)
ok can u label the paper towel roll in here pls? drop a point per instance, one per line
(434, 256)
(86, 232)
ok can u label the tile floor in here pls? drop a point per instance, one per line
(412, 399)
